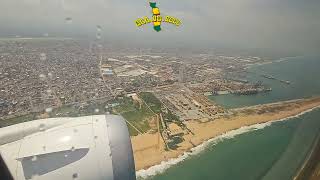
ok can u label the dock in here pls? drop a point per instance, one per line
(274, 78)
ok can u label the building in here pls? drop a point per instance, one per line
(106, 71)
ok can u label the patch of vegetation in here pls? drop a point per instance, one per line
(125, 105)
(84, 109)
(153, 102)
(174, 141)
(134, 113)
(171, 117)
(16, 120)
(156, 106)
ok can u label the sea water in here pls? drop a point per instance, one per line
(264, 151)
(302, 72)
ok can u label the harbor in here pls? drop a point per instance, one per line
(274, 78)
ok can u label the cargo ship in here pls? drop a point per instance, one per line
(284, 81)
(268, 76)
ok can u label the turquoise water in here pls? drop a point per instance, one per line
(272, 153)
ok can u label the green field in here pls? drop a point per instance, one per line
(63, 111)
(16, 120)
(135, 113)
(157, 107)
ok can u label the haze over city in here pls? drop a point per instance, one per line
(160, 89)
(291, 25)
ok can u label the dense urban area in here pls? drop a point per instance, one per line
(43, 78)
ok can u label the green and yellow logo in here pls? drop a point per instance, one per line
(157, 19)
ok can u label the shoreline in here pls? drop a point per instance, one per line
(204, 133)
(273, 61)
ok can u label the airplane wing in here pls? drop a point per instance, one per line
(91, 147)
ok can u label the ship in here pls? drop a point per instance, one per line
(268, 76)
(284, 81)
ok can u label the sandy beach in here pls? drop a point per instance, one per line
(148, 152)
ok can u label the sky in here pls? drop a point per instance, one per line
(289, 25)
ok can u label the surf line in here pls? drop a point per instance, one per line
(164, 165)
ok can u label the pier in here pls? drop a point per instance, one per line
(274, 78)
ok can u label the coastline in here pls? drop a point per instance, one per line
(272, 61)
(243, 120)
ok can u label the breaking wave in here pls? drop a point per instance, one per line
(164, 165)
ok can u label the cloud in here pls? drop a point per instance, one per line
(287, 24)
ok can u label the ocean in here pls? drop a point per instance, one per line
(269, 151)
